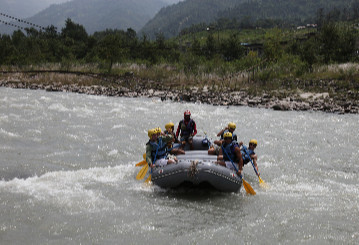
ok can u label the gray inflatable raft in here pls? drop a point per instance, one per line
(197, 168)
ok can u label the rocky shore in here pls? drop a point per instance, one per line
(300, 102)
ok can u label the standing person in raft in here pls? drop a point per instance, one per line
(188, 129)
(156, 153)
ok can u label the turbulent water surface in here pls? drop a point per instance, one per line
(67, 175)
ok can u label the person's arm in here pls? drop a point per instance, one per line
(220, 155)
(237, 150)
(167, 138)
(148, 155)
(218, 142)
(178, 129)
(194, 129)
(221, 132)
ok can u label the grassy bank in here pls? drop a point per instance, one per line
(340, 81)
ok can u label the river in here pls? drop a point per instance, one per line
(67, 175)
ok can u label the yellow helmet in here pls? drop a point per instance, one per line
(253, 141)
(158, 130)
(231, 125)
(169, 125)
(151, 132)
(227, 135)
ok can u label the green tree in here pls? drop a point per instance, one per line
(272, 48)
(232, 48)
(109, 49)
(210, 47)
(75, 39)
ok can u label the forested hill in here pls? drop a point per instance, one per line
(170, 20)
(292, 11)
(98, 15)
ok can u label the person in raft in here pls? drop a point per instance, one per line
(170, 131)
(188, 129)
(248, 153)
(156, 149)
(230, 153)
(214, 149)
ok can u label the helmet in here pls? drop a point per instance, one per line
(253, 141)
(227, 135)
(151, 132)
(231, 125)
(158, 130)
(169, 125)
(187, 113)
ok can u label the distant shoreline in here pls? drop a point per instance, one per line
(303, 102)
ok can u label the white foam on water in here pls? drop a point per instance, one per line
(4, 118)
(297, 186)
(113, 153)
(46, 99)
(58, 107)
(9, 134)
(71, 190)
(118, 126)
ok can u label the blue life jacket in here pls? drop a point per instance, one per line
(234, 136)
(229, 148)
(245, 156)
(186, 130)
(162, 149)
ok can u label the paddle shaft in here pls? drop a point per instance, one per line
(240, 176)
(254, 167)
(246, 185)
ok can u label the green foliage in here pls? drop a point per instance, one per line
(273, 50)
(195, 15)
(337, 43)
(285, 54)
(232, 48)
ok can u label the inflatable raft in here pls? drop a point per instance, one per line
(196, 168)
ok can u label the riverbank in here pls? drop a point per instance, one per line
(130, 86)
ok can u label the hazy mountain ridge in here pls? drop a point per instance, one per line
(24, 9)
(170, 20)
(98, 15)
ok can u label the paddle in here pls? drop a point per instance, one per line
(148, 180)
(142, 172)
(246, 185)
(261, 182)
(143, 162)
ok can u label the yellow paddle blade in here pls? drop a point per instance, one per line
(142, 172)
(143, 162)
(148, 180)
(144, 156)
(248, 187)
(262, 183)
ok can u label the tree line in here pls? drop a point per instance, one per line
(333, 42)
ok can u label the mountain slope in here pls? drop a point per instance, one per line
(98, 15)
(290, 10)
(24, 9)
(170, 20)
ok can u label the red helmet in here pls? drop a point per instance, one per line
(187, 113)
